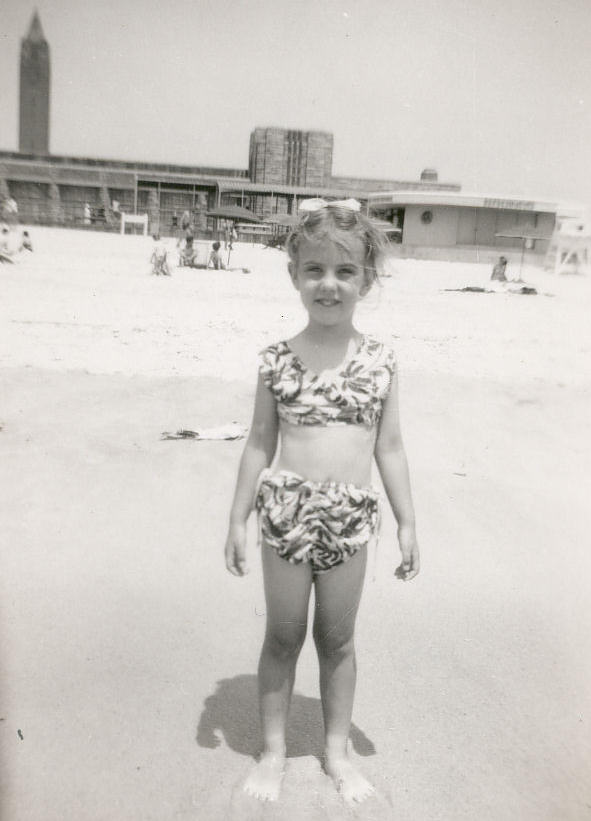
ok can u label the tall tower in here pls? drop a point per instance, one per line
(290, 157)
(34, 91)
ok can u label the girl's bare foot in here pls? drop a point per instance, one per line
(264, 780)
(350, 783)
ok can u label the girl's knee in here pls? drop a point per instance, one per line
(334, 645)
(285, 643)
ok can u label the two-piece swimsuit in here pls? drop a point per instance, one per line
(323, 523)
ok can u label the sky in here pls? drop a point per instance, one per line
(494, 94)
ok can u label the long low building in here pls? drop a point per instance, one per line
(462, 225)
(54, 189)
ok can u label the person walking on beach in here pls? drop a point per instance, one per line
(331, 394)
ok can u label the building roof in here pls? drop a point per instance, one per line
(460, 198)
(35, 33)
(276, 188)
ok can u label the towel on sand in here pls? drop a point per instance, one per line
(230, 431)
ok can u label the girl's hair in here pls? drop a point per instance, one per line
(342, 226)
(216, 246)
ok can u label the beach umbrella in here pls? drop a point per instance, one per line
(288, 220)
(235, 213)
(525, 239)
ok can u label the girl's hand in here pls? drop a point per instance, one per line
(409, 548)
(235, 550)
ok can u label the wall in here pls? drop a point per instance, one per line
(288, 157)
(460, 226)
(441, 231)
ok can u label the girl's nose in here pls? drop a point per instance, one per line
(329, 280)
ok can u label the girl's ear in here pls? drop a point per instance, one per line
(366, 286)
(293, 273)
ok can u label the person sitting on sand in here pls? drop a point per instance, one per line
(215, 257)
(498, 272)
(26, 244)
(329, 397)
(158, 258)
(6, 252)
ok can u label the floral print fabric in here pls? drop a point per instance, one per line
(353, 395)
(323, 523)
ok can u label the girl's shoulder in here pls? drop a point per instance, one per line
(271, 360)
(274, 347)
(379, 353)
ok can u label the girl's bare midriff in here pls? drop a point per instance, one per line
(332, 453)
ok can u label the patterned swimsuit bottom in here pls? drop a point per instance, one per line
(322, 523)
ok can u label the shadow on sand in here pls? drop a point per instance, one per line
(232, 711)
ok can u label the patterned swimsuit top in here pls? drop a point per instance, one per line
(352, 395)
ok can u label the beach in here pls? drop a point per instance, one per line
(128, 684)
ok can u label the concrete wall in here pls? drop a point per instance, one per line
(466, 253)
(287, 157)
(441, 231)
(474, 227)
(318, 167)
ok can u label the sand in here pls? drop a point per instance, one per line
(128, 688)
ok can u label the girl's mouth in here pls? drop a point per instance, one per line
(327, 303)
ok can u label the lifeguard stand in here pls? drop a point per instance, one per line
(569, 250)
(134, 219)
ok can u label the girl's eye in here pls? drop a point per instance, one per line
(347, 272)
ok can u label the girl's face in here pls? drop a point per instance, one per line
(331, 279)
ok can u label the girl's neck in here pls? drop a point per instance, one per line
(329, 334)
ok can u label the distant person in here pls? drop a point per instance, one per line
(215, 257)
(185, 220)
(188, 255)
(86, 214)
(26, 244)
(6, 249)
(230, 237)
(4, 237)
(498, 272)
(159, 257)
(326, 400)
(10, 210)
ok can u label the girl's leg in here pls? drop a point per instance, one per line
(287, 593)
(338, 593)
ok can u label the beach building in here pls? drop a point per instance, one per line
(460, 225)
(425, 217)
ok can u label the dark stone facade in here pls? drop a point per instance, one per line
(280, 156)
(34, 91)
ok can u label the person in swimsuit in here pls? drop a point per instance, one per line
(498, 272)
(329, 395)
(215, 257)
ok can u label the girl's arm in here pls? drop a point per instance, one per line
(393, 466)
(258, 454)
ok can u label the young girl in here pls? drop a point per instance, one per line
(330, 396)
